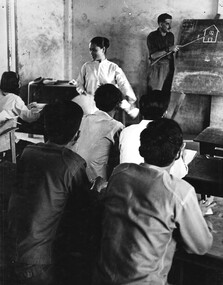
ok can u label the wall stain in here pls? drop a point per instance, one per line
(82, 25)
(56, 19)
(27, 52)
(46, 45)
(84, 17)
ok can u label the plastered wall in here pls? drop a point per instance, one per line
(40, 39)
(3, 36)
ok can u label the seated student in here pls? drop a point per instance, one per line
(11, 103)
(152, 106)
(12, 106)
(148, 212)
(46, 205)
(99, 133)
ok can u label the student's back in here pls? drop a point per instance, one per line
(46, 204)
(96, 139)
(152, 106)
(143, 206)
(147, 212)
(99, 133)
(47, 176)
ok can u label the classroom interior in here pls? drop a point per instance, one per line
(49, 39)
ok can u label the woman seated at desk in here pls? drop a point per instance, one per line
(11, 103)
(12, 106)
(98, 72)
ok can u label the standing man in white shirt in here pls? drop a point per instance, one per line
(100, 71)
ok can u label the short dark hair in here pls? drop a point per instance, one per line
(62, 121)
(152, 106)
(162, 17)
(107, 97)
(10, 82)
(160, 142)
(101, 42)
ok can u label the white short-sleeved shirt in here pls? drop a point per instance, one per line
(97, 132)
(15, 106)
(129, 143)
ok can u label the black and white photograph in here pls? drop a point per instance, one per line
(111, 142)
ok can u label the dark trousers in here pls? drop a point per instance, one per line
(70, 271)
(25, 274)
(161, 77)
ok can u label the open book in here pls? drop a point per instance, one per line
(189, 155)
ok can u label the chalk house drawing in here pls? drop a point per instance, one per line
(210, 34)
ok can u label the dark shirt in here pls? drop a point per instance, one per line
(161, 72)
(50, 178)
(157, 42)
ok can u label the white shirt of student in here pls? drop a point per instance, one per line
(15, 106)
(129, 143)
(97, 133)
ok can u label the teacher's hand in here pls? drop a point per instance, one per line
(174, 48)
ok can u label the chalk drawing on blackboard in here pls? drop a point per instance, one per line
(207, 58)
(210, 34)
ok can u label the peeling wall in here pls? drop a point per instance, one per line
(3, 36)
(40, 32)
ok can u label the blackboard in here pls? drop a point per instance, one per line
(199, 62)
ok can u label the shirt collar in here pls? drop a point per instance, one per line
(158, 168)
(98, 62)
(159, 32)
(104, 113)
(145, 123)
(99, 112)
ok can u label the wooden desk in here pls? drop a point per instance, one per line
(49, 93)
(192, 269)
(209, 139)
(206, 175)
(46, 93)
(7, 137)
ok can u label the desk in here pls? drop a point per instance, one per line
(209, 139)
(49, 93)
(192, 269)
(206, 175)
(7, 137)
(46, 93)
